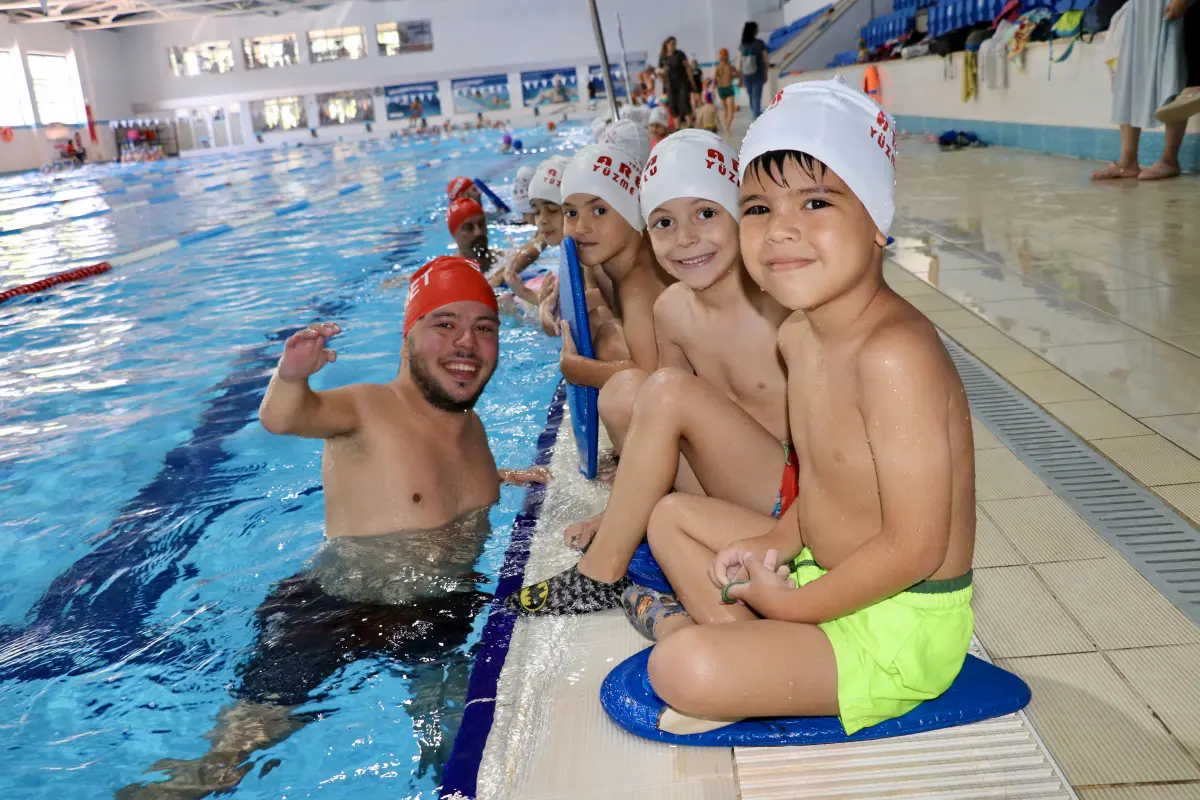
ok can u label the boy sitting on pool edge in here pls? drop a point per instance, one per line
(856, 603)
(600, 190)
(712, 418)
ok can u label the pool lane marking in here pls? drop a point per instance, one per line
(460, 774)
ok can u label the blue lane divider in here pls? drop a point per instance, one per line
(162, 198)
(216, 187)
(99, 212)
(207, 233)
(288, 209)
(354, 187)
(160, 184)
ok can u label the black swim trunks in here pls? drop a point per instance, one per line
(306, 635)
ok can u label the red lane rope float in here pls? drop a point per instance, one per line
(55, 280)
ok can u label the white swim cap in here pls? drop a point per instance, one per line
(520, 194)
(636, 114)
(841, 127)
(609, 173)
(628, 136)
(691, 163)
(598, 126)
(659, 116)
(547, 180)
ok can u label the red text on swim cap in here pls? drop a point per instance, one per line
(623, 175)
(879, 132)
(716, 160)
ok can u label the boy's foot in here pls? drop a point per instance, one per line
(1115, 172)
(1159, 171)
(569, 592)
(645, 608)
(1180, 107)
(580, 534)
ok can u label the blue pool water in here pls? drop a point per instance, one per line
(146, 513)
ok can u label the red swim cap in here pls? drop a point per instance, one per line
(445, 280)
(457, 186)
(462, 210)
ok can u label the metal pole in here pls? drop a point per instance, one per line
(625, 61)
(612, 96)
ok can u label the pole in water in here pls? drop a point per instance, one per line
(608, 85)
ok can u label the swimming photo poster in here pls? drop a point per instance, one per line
(407, 100)
(547, 87)
(482, 94)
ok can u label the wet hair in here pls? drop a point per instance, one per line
(771, 165)
(749, 32)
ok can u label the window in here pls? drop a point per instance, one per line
(197, 59)
(278, 114)
(14, 106)
(337, 43)
(56, 91)
(264, 52)
(339, 108)
(413, 36)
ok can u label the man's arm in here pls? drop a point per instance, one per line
(291, 407)
(902, 396)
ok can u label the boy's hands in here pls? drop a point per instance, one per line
(762, 585)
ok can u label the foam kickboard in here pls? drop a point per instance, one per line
(981, 691)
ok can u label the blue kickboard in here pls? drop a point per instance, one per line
(981, 691)
(500, 204)
(581, 399)
(645, 571)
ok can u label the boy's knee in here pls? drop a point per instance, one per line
(615, 403)
(664, 520)
(680, 669)
(662, 392)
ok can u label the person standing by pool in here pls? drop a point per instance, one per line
(680, 83)
(753, 66)
(408, 477)
(723, 74)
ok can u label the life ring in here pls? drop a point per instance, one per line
(6, 134)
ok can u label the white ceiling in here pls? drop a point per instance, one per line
(97, 14)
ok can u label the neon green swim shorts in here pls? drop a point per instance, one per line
(898, 652)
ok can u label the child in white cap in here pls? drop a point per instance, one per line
(857, 602)
(520, 194)
(601, 213)
(628, 136)
(712, 419)
(545, 198)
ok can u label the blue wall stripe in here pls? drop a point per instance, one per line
(460, 775)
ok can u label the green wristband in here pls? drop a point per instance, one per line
(725, 592)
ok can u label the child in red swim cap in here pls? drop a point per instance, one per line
(463, 187)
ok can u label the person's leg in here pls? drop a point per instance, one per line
(1168, 165)
(615, 404)
(734, 458)
(1127, 165)
(758, 668)
(685, 534)
(730, 113)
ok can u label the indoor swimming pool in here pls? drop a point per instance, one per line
(147, 513)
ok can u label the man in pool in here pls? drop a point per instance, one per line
(408, 479)
(468, 225)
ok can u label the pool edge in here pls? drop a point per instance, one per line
(461, 771)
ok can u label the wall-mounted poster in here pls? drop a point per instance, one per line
(485, 93)
(596, 77)
(413, 100)
(547, 87)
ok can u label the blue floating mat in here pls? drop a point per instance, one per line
(500, 204)
(645, 571)
(981, 691)
(582, 399)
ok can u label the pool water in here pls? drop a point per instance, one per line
(146, 512)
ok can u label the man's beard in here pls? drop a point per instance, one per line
(433, 392)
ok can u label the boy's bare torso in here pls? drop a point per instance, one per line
(736, 353)
(398, 472)
(839, 501)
